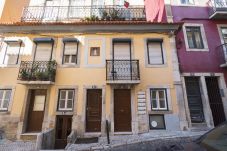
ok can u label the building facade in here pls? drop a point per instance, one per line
(68, 69)
(201, 48)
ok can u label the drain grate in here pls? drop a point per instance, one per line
(87, 140)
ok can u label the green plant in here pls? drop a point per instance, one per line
(24, 74)
(114, 14)
(91, 18)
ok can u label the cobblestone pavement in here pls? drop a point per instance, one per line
(6, 145)
(138, 142)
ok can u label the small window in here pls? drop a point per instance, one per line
(155, 52)
(5, 96)
(12, 54)
(70, 53)
(158, 99)
(194, 37)
(95, 51)
(66, 100)
(188, 2)
(224, 34)
(157, 122)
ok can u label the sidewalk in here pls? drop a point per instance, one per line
(135, 139)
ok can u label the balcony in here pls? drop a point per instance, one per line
(122, 72)
(37, 72)
(222, 51)
(218, 9)
(81, 13)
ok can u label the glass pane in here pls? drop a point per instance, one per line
(153, 94)
(161, 94)
(7, 94)
(66, 58)
(5, 103)
(70, 94)
(70, 104)
(162, 103)
(61, 104)
(39, 103)
(198, 40)
(63, 94)
(154, 104)
(73, 59)
(190, 39)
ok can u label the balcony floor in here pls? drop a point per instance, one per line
(35, 82)
(123, 81)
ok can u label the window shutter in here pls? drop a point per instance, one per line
(122, 51)
(37, 2)
(155, 53)
(70, 49)
(43, 52)
(12, 53)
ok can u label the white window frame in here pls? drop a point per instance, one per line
(219, 26)
(70, 56)
(158, 100)
(203, 35)
(66, 100)
(180, 2)
(3, 99)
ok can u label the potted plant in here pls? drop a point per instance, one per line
(24, 74)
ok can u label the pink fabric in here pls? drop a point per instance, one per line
(155, 10)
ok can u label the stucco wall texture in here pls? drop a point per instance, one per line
(199, 61)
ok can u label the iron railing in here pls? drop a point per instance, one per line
(37, 71)
(217, 5)
(69, 13)
(122, 70)
(222, 53)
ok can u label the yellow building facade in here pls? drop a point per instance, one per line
(74, 78)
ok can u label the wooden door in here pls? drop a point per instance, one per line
(122, 110)
(94, 110)
(63, 130)
(215, 100)
(194, 99)
(36, 110)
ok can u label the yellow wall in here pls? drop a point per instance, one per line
(87, 76)
(12, 10)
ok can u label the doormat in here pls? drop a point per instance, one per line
(87, 140)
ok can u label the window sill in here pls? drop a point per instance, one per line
(199, 50)
(4, 112)
(69, 66)
(156, 66)
(160, 112)
(64, 112)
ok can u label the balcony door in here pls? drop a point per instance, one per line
(43, 49)
(78, 9)
(122, 59)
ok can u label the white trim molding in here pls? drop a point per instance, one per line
(203, 35)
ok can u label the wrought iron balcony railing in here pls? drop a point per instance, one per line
(222, 54)
(90, 13)
(37, 71)
(123, 70)
(216, 7)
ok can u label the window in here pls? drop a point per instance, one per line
(188, 2)
(5, 96)
(12, 53)
(224, 34)
(70, 53)
(194, 37)
(157, 122)
(158, 99)
(66, 98)
(95, 51)
(155, 52)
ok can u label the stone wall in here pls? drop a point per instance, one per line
(8, 126)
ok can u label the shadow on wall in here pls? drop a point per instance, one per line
(1, 134)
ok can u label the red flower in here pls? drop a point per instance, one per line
(126, 4)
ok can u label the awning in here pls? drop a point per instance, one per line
(70, 40)
(43, 40)
(121, 40)
(154, 40)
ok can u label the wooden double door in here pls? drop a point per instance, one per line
(36, 110)
(122, 110)
(63, 130)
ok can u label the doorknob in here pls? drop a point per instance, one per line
(121, 110)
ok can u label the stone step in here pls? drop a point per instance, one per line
(29, 137)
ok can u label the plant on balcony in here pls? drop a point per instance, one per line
(92, 18)
(24, 74)
(51, 71)
(114, 14)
